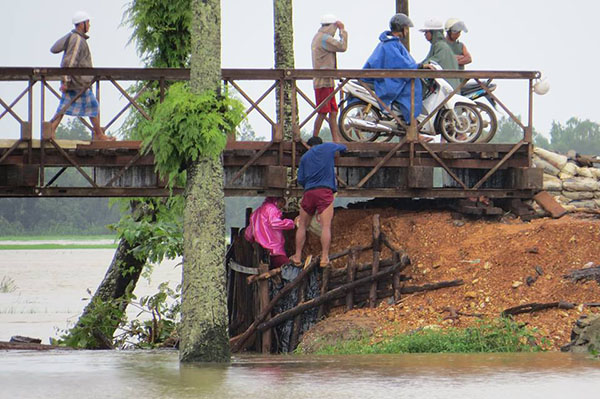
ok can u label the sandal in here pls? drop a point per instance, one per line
(295, 263)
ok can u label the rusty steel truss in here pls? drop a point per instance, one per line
(404, 168)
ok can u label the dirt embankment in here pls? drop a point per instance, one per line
(494, 258)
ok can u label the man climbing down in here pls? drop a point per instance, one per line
(324, 47)
(316, 173)
(77, 55)
(266, 228)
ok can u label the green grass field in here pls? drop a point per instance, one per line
(46, 242)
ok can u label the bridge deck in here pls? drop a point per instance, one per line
(33, 164)
(117, 169)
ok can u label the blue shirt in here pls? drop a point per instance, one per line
(317, 166)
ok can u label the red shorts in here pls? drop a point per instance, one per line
(321, 94)
(278, 261)
(317, 199)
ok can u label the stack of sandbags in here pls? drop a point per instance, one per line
(573, 186)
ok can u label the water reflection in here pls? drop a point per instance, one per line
(156, 374)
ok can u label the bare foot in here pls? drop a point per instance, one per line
(425, 139)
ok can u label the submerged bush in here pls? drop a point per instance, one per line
(500, 335)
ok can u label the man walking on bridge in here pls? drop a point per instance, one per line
(77, 98)
(316, 173)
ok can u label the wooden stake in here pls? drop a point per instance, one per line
(376, 254)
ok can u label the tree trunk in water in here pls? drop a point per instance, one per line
(284, 58)
(120, 280)
(204, 335)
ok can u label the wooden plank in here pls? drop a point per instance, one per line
(549, 204)
(420, 177)
(351, 270)
(263, 294)
(376, 255)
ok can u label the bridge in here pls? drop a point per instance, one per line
(32, 162)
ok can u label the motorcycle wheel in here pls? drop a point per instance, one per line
(358, 111)
(490, 123)
(466, 129)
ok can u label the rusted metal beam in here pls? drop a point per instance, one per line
(176, 74)
(381, 163)
(495, 168)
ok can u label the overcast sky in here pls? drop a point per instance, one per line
(546, 35)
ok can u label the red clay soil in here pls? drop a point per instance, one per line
(494, 258)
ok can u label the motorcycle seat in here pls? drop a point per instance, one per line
(473, 87)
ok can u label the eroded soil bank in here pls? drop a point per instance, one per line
(493, 257)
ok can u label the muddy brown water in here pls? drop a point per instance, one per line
(50, 285)
(148, 375)
(50, 288)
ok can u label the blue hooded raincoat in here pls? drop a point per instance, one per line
(390, 53)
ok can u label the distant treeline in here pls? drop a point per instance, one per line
(56, 216)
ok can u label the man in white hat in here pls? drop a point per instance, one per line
(324, 48)
(77, 98)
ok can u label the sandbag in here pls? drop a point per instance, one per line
(552, 183)
(561, 199)
(569, 168)
(585, 204)
(565, 176)
(581, 184)
(578, 195)
(553, 158)
(548, 168)
(585, 172)
(596, 173)
(315, 227)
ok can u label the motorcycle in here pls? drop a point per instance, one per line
(473, 91)
(362, 118)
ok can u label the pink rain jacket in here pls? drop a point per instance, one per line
(266, 227)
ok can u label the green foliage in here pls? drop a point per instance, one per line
(74, 129)
(501, 335)
(7, 285)
(164, 309)
(510, 132)
(578, 135)
(161, 31)
(186, 126)
(95, 326)
(157, 234)
(56, 216)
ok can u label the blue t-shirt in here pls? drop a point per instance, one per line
(317, 166)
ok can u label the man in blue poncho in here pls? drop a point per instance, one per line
(390, 53)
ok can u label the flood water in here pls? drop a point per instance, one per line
(151, 375)
(50, 285)
(50, 288)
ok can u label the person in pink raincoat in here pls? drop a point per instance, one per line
(266, 228)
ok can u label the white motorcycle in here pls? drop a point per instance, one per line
(362, 118)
